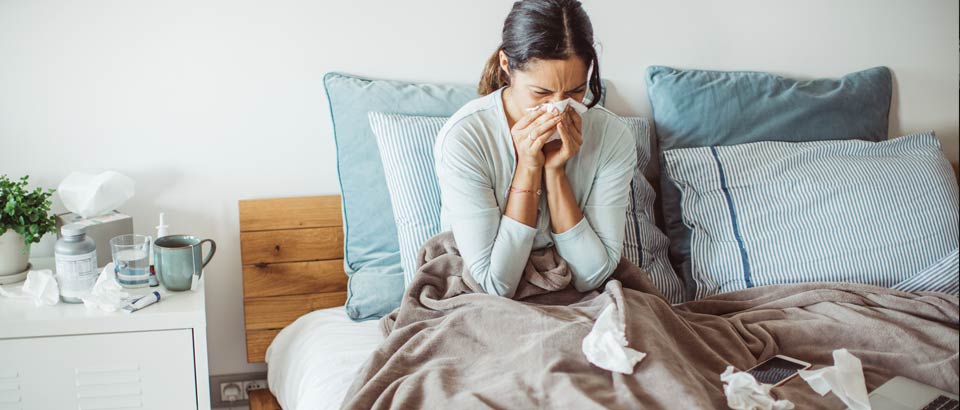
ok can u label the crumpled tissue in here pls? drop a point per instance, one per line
(560, 106)
(844, 378)
(40, 286)
(606, 344)
(744, 392)
(106, 295)
(91, 195)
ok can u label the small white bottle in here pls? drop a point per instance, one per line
(162, 227)
(161, 232)
(76, 258)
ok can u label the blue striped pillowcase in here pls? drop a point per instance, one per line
(942, 276)
(770, 213)
(406, 149)
(645, 245)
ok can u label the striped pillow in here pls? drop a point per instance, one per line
(942, 276)
(770, 213)
(406, 149)
(644, 244)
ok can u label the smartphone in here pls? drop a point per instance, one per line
(777, 369)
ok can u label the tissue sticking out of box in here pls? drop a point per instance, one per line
(90, 195)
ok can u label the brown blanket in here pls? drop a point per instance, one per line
(451, 346)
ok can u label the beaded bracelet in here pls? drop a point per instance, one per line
(523, 191)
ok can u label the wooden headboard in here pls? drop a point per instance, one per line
(292, 255)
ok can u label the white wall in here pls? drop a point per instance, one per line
(208, 102)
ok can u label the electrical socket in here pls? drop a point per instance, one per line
(231, 390)
(253, 385)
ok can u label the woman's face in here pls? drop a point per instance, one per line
(543, 81)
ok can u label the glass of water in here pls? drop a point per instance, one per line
(131, 260)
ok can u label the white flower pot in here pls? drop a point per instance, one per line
(14, 254)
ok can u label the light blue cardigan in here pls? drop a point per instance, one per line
(475, 163)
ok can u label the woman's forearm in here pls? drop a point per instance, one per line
(522, 206)
(564, 212)
(576, 241)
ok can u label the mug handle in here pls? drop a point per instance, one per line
(206, 260)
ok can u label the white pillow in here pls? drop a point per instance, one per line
(313, 361)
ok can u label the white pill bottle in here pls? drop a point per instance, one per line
(76, 257)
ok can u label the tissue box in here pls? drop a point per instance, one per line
(101, 229)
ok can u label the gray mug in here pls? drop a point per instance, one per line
(176, 259)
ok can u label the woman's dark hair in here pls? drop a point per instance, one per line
(545, 30)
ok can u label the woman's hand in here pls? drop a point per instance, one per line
(530, 133)
(557, 153)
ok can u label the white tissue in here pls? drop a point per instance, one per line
(745, 393)
(106, 295)
(40, 286)
(606, 345)
(844, 378)
(91, 195)
(560, 106)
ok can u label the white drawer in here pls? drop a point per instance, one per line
(138, 370)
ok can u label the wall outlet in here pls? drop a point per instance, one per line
(254, 385)
(231, 390)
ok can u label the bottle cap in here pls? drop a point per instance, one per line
(73, 230)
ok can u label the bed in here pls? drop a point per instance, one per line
(293, 295)
(792, 298)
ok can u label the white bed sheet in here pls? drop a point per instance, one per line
(312, 362)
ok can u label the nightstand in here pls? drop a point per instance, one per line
(67, 356)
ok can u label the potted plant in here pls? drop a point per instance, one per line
(24, 218)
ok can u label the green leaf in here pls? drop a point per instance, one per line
(25, 211)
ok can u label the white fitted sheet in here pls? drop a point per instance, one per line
(312, 362)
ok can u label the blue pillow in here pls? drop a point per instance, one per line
(371, 252)
(770, 213)
(406, 146)
(696, 108)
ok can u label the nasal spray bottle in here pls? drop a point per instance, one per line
(161, 232)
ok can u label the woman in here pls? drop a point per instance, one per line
(506, 190)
